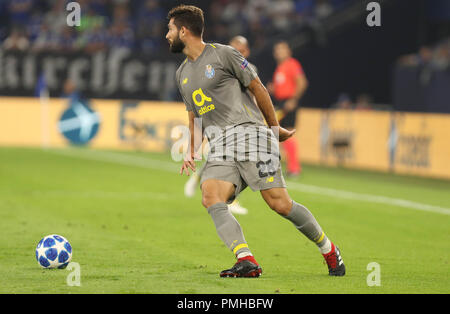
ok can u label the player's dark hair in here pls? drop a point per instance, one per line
(188, 16)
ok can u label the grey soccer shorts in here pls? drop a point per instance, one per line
(258, 175)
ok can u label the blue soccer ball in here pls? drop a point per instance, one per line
(54, 251)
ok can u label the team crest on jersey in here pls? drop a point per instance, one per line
(209, 72)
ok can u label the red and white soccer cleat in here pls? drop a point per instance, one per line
(334, 261)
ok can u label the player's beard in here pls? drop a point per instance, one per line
(177, 45)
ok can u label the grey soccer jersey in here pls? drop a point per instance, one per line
(214, 87)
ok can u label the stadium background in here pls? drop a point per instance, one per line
(378, 75)
(87, 116)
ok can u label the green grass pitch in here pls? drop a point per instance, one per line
(133, 231)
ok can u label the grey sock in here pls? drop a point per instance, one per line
(228, 228)
(305, 222)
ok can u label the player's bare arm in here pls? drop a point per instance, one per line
(265, 105)
(188, 162)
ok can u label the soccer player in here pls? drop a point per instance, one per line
(289, 85)
(240, 43)
(213, 81)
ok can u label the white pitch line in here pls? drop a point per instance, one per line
(117, 158)
(367, 198)
(103, 194)
(154, 164)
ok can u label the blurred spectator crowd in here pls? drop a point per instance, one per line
(435, 57)
(363, 102)
(428, 60)
(141, 25)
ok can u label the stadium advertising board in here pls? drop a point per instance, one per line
(104, 124)
(113, 74)
(407, 143)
